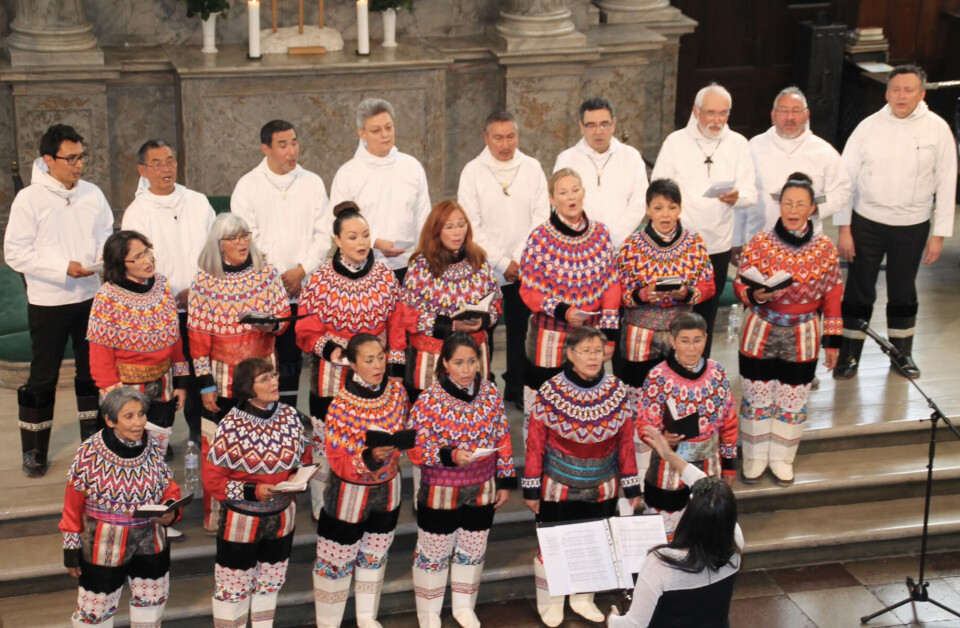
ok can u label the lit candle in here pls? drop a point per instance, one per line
(363, 28)
(253, 21)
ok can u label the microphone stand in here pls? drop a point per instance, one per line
(917, 589)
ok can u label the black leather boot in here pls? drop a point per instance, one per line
(849, 360)
(904, 365)
(36, 422)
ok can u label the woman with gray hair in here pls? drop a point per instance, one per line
(116, 471)
(233, 279)
(390, 186)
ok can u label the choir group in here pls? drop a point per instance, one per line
(212, 315)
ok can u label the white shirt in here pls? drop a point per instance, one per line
(49, 227)
(776, 158)
(392, 195)
(287, 214)
(502, 221)
(682, 159)
(656, 577)
(617, 197)
(902, 170)
(177, 225)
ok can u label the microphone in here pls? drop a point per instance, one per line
(885, 345)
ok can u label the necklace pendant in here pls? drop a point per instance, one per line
(283, 195)
(506, 191)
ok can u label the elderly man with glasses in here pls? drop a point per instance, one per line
(176, 220)
(55, 236)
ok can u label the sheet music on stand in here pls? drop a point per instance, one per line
(599, 555)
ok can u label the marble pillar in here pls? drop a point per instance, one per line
(636, 11)
(536, 25)
(52, 33)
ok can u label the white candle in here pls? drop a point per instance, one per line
(363, 28)
(253, 21)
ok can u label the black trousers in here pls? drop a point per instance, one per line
(708, 308)
(289, 361)
(903, 248)
(515, 317)
(51, 326)
(193, 404)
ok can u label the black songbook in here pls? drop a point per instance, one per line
(158, 510)
(668, 284)
(251, 317)
(688, 426)
(756, 280)
(401, 439)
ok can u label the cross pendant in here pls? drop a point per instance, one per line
(709, 162)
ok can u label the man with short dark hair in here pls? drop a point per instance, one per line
(176, 220)
(504, 194)
(286, 207)
(58, 225)
(613, 173)
(903, 164)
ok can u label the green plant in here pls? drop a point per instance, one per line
(383, 5)
(204, 8)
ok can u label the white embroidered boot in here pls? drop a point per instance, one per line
(756, 410)
(230, 614)
(146, 616)
(263, 608)
(582, 604)
(549, 607)
(429, 587)
(330, 599)
(784, 441)
(464, 585)
(367, 586)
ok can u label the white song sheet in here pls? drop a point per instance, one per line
(635, 536)
(581, 558)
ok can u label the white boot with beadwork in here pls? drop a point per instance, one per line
(784, 441)
(230, 614)
(549, 607)
(263, 608)
(367, 586)
(429, 587)
(582, 604)
(464, 585)
(330, 599)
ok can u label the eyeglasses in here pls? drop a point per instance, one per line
(695, 342)
(593, 353)
(236, 239)
(146, 254)
(73, 159)
(603, 126)
(712, 114)
(455, 226)
(266, 378)
(160, 165)
(790, 205)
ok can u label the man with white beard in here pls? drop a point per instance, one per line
(176, 220)
(708, 157)
(790, 146)
(504, 194)
(613, 173)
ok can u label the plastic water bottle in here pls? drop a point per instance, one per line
(733, 325)
(191, 470)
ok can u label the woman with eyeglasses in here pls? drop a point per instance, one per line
(133, 330)
(466, 457)
(447, 272)
(361, 505)
(705, 432)
(568, 278)
(781, 335)
(233, 279)
(257, 445)
(689, 581)
(579, 454)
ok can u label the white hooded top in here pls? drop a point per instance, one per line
(902, 170)
(392, 195)
(682, 158)
(177, 225)
(617, 197)
(49, 227)
(776, 158)
(502, 221)
(288, 216)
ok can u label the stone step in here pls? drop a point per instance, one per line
(773, 539)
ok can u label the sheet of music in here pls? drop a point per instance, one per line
(635, 536)
(578, 558)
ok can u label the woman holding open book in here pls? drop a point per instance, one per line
(579, 454)
(449, 287)
(789, 276)
(664, 271)
(133, 330)
(116, 471)
(568, 278)
(258, 445)
(466, 458)
(361, 505)
(234, 279)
